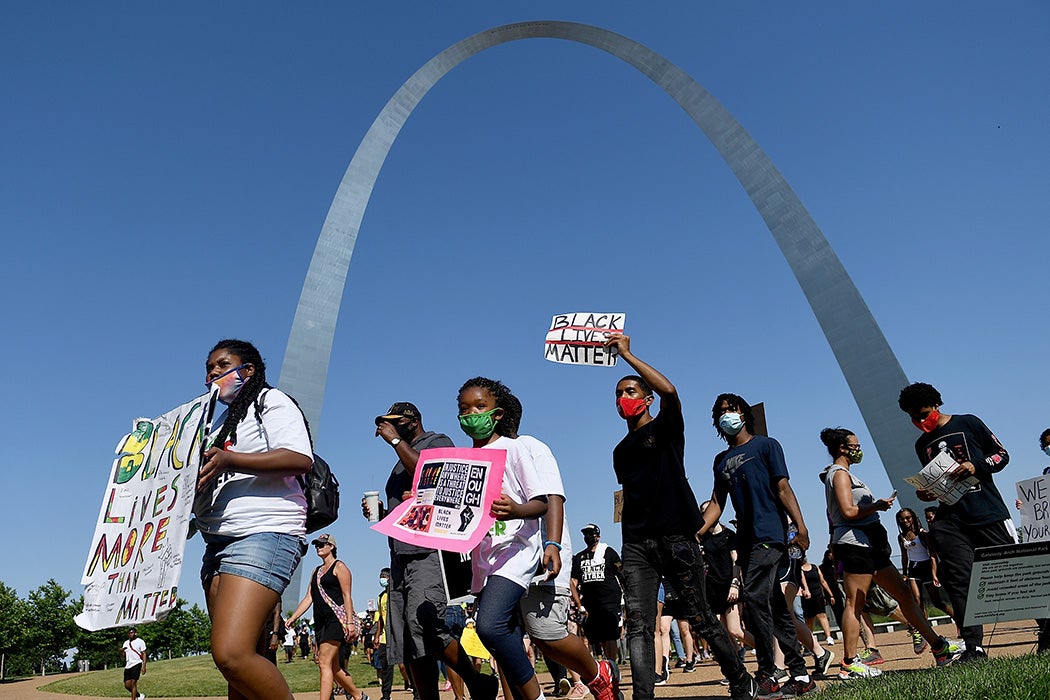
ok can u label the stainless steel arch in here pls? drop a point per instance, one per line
(872, 371)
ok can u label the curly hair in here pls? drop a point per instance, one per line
(739, 404)
(834, 438)
(249, 393)
(918, 396)
(508, 425)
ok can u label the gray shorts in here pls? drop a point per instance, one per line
(416, 614)
(545, 611)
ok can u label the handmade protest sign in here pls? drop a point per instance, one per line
(135, 559)
(454, 489)
(1034, 495)
(579, 339)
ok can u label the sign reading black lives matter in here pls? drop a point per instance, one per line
(1010, 582)
(579, 339)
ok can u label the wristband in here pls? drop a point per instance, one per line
(548, 542)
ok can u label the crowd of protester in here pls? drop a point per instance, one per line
(682, 580)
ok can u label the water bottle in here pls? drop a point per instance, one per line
(794, 551)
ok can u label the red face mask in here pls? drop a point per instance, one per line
(929, 423)
(629, 408)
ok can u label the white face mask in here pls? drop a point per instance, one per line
(1046, 450)
(731, 423)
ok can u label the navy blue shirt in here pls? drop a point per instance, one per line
(751, 472)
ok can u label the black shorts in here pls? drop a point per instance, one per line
(813, 606)
(860, 560)
(132, 673)
(921, 571)
(601, 626)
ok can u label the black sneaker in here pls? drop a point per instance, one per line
(824, 661)
(679, 663)
(746, 689)
(661, 678)
(795, 688)
(768, 688)
(970, 655)
(689, 667)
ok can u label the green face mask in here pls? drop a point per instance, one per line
(855, 455)
(478, 426)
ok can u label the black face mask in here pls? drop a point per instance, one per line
(405, 430)
(590, 540)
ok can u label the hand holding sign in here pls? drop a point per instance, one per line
(580, 339)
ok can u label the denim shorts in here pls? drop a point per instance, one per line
(268, 558)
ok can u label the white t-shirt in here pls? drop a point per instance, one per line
(134, 651)
(550, 475)
(236, 504)
(511, 548)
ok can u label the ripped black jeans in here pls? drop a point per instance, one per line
(677, 558)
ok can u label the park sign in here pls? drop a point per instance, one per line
(579, 339)
(135, 558)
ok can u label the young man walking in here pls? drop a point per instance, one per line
(660, 523)
(979, 518)
(754, 473)
(134, 650)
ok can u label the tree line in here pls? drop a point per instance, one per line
(37, 631)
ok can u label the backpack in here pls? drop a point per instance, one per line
(320, 487)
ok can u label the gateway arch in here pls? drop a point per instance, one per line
(872, 371)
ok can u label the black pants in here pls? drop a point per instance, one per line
(677, 558)
(955, 542)
(386, 671)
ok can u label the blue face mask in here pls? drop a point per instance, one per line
(731, 423)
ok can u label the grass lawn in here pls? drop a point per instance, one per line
(1012, 678)
(197, 676)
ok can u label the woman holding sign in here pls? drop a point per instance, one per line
(334, 617)
(861, 544)
(251, 512)
(506, 560)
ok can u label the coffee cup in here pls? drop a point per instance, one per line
(372, 502)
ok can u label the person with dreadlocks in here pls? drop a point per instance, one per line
(753, 472)
(251, 511)
(507, 558)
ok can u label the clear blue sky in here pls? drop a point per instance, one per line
(165, 170)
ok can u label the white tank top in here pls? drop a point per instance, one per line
(915, 549)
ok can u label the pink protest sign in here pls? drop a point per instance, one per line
(454, 488)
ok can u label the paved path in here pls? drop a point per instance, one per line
(1006, 639)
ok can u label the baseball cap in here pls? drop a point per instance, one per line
(324, 539)
(401, 409)
(591, 526)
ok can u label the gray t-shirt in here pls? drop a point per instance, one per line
(843, 530)
(401, 480)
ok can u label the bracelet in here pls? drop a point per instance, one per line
(548, 542)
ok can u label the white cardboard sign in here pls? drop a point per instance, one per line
(579, 338)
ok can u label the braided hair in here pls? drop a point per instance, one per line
(508, 425)
(249, 394)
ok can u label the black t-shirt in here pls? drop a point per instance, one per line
(401, 480)
(649, 463)
(599, 587)
(967, 439)
(717, 554)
